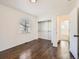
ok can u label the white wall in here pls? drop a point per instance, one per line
(73, 31)
(10, 35)
(54, 31)
(77, 3)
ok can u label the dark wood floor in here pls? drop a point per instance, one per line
(36, 49)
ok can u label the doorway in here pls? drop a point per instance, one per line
(44, 29)
(63, 37)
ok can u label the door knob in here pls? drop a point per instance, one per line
(76, 35)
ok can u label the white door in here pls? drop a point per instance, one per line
(74, 31)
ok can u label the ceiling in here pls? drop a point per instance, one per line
(42, 7)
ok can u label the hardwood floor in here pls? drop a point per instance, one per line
(63, 50)
(37, 49)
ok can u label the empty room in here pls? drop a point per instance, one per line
(39, 29)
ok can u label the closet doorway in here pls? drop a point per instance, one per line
(44, 29)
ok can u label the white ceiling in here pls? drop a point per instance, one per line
(42, 7)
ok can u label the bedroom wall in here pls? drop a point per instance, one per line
(53, 31)
(10, 34)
